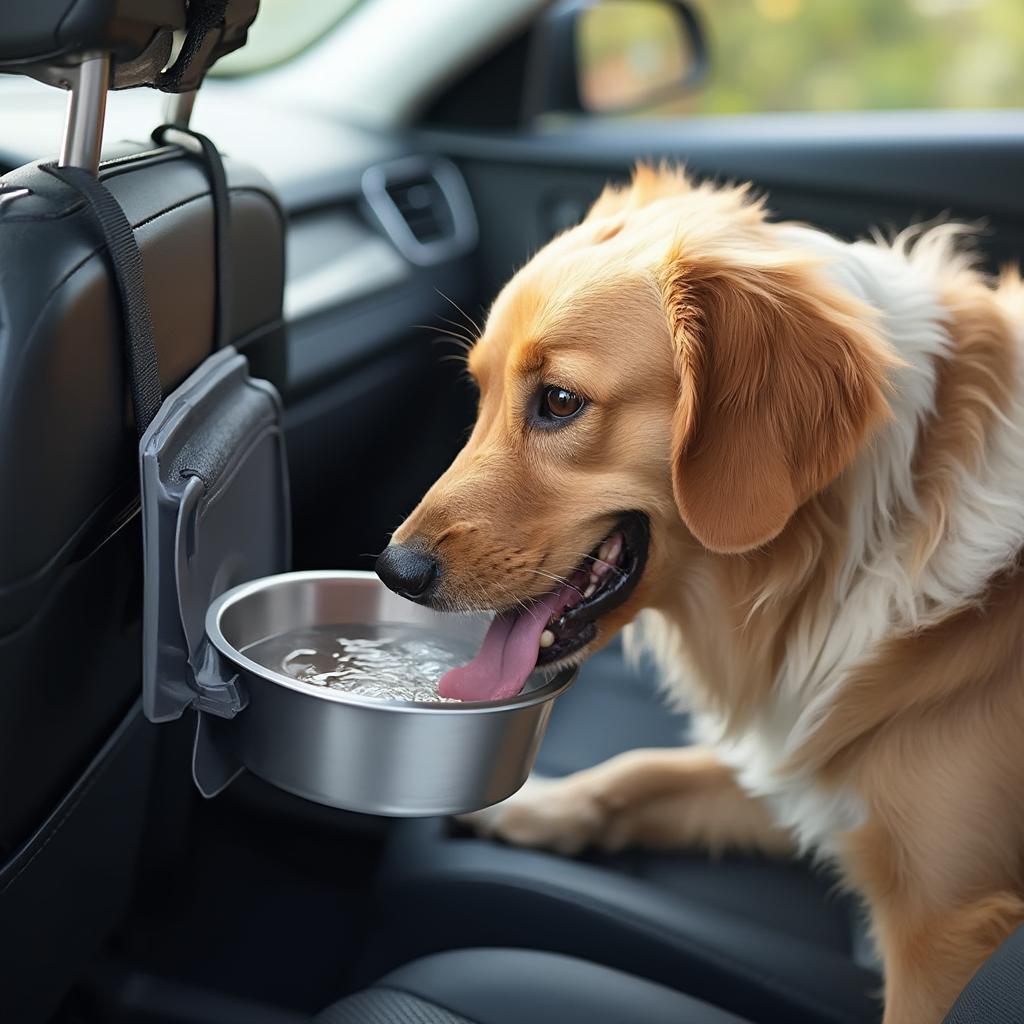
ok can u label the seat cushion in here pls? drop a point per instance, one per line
(510, 986)
(766, 940)
(615, 707)
(995, 995)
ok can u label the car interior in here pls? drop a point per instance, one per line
(383, 183)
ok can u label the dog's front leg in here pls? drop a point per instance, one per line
(665, 799)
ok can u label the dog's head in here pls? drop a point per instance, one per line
(662, 381)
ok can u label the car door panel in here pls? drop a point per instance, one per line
(844, 173)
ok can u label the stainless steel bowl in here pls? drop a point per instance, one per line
(398, 758)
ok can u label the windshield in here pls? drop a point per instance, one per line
(282, 29)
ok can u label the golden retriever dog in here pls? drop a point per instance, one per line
(795, 467)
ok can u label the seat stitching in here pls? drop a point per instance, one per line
(432, 999)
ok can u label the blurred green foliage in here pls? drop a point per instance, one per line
(861, 54)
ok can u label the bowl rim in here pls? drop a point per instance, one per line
(546, 692)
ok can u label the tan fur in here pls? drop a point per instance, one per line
(737, 613)
(662, 799)
(730, 386)
(782, 379)
(973, 389)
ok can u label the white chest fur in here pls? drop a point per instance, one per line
(878, 594)
(811, 812)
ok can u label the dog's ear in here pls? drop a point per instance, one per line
(782, 376)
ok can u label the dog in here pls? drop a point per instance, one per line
(793, 467)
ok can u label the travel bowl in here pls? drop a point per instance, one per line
(215, 513)
(399, 758)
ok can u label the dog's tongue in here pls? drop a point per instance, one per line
(508, 654)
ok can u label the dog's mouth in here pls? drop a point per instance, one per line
(558, 625)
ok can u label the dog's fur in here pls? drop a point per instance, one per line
(828, 440)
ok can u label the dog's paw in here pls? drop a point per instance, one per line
(550, 814)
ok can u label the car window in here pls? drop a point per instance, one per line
(779, 55)
(282, 29)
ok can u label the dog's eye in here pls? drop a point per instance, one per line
(559, 403)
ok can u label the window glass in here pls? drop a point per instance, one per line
(282, 29)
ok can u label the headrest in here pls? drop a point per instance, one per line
(46, 38)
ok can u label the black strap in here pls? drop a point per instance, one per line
(202, 18)
(214, 168)
(140, 352)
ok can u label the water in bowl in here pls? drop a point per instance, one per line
(388, 662)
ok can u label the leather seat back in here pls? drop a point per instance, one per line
(75, 753)
(67, 456)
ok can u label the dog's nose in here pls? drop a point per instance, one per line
(407, 572)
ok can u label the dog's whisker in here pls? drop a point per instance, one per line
(458, 330)
(558, 579)
(459, 327)
(527, 609)
(464, 342)
(601, 561)
(550, 575)
(461, 346)
(458, 333)
(448, 298)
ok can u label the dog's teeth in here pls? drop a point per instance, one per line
(589, 592)
(594, 578)
(602, 552)
(547, 638)
(614, 550)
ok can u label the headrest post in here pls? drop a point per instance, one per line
(87, 105)
(178, 108)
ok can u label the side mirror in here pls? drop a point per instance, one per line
(614, 56)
